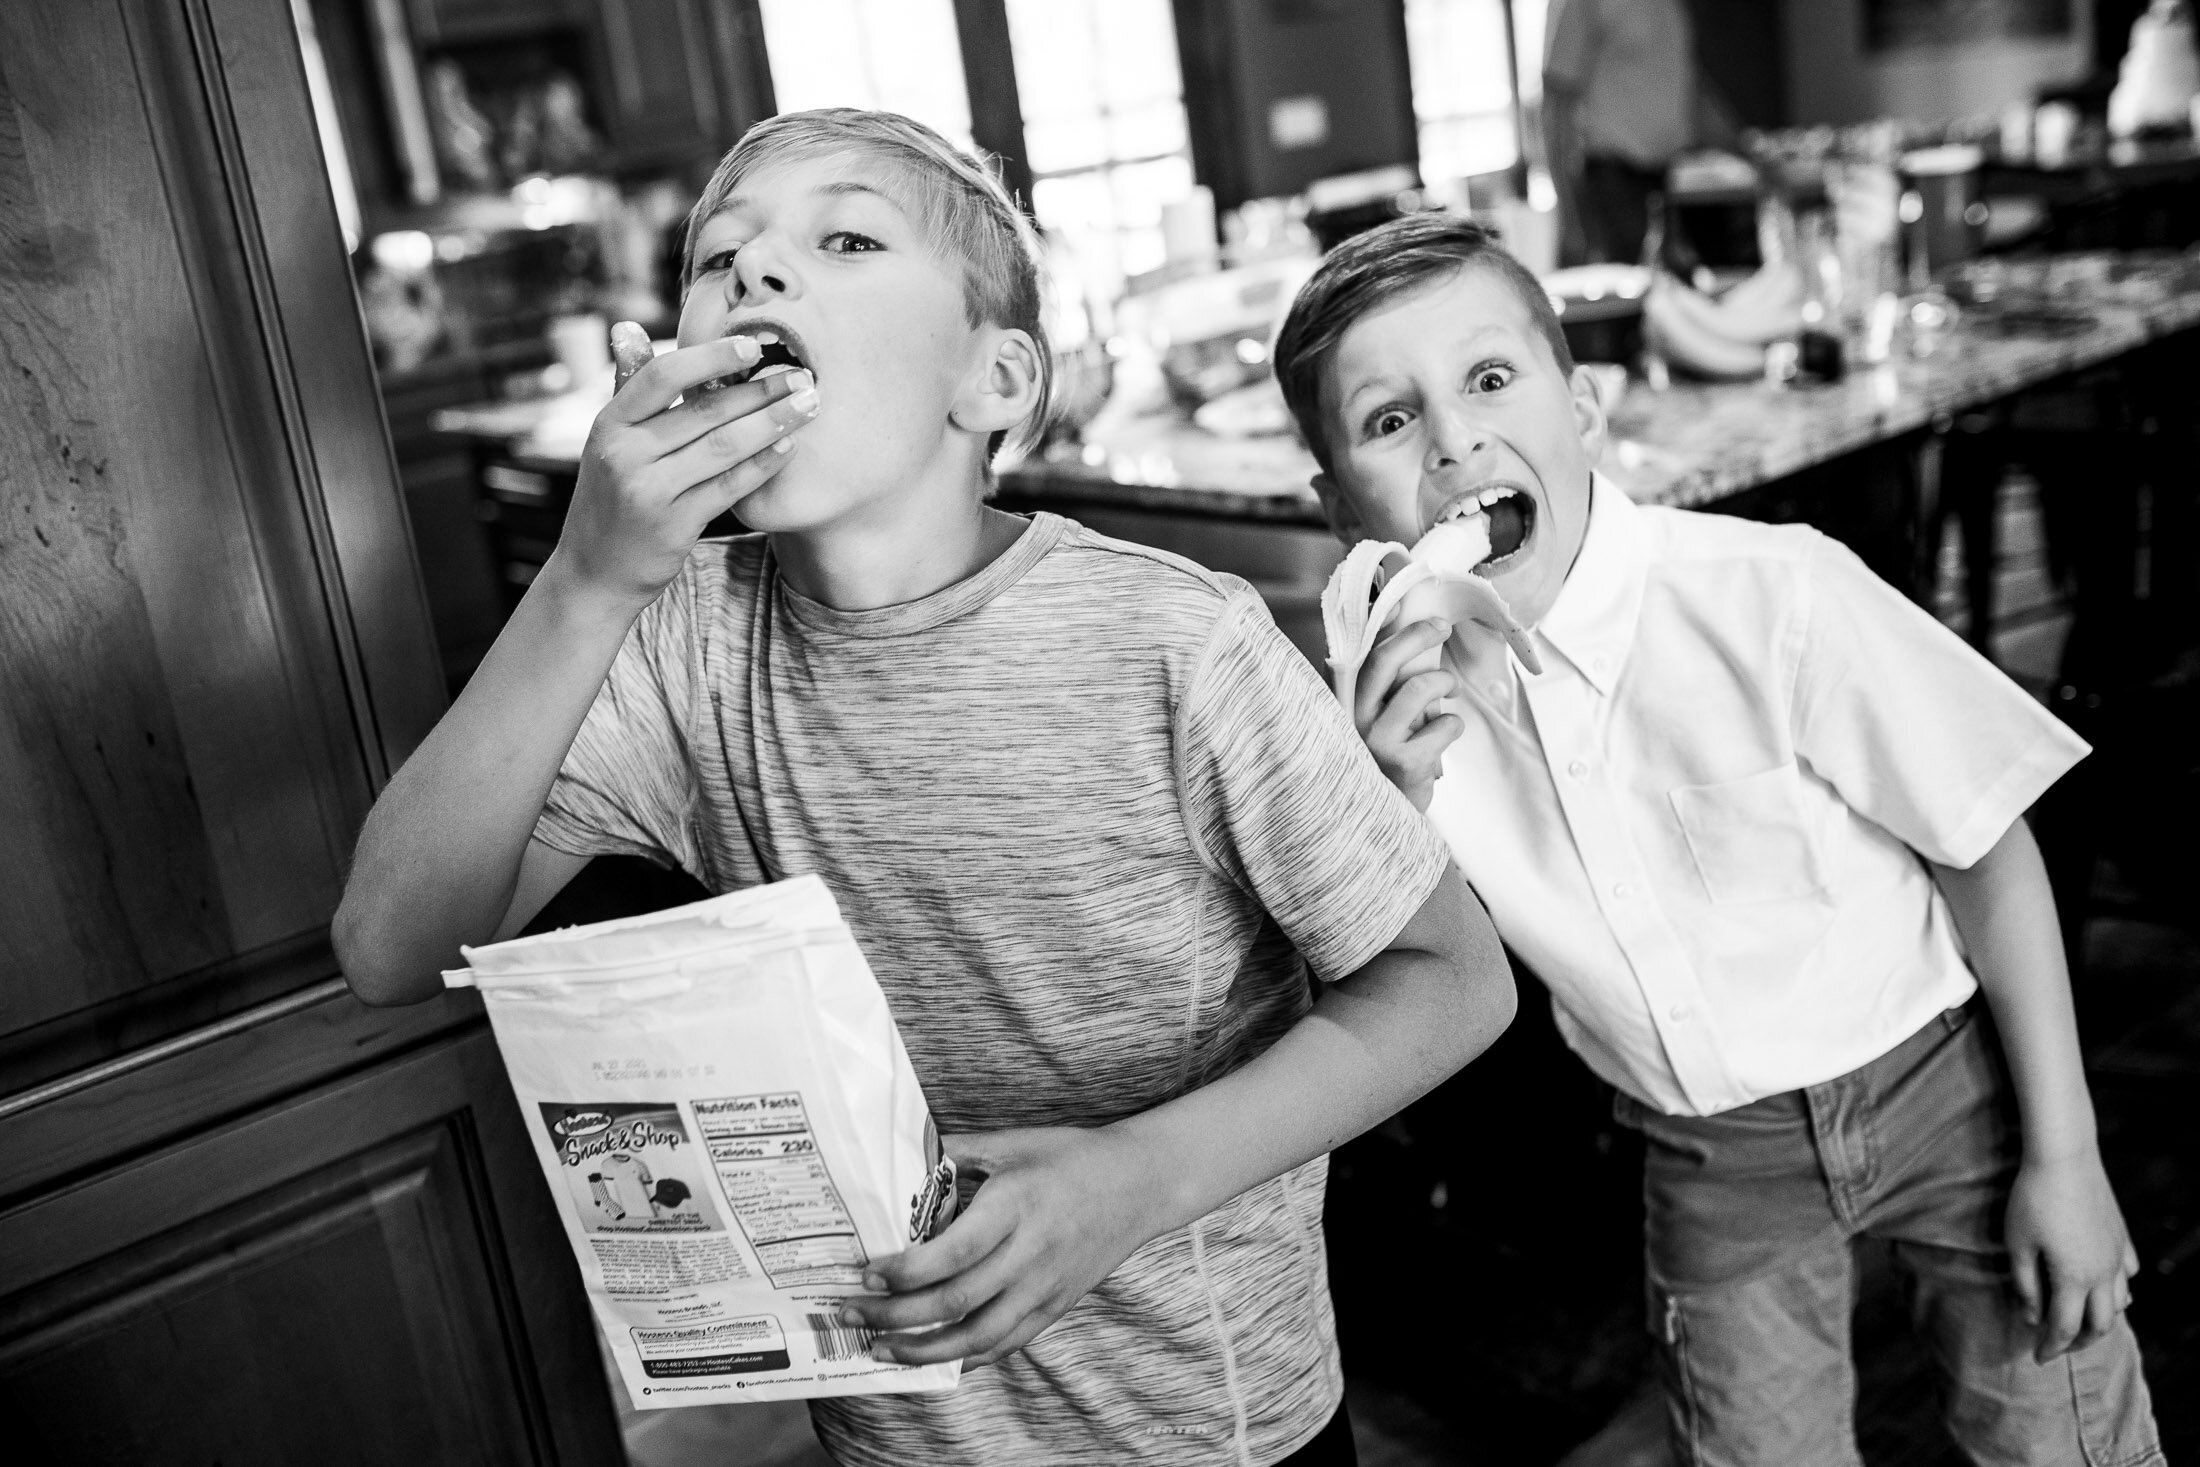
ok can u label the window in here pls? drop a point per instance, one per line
(900, 55)
(1104, 131)
(1463, 86)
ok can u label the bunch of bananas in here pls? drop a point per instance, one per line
(1723, 337)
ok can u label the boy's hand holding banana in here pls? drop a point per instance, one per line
(684, 437)
(1393, 685)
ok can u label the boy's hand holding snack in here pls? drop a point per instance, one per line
(683, 440)
(1061, 1207)
(1398, 711)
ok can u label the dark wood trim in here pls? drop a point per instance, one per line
(82, 1130)
(346, 475)
(173, 1047)
(989, 76)
(203, 177)
(42, 1053)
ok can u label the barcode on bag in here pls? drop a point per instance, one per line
(837, 1341)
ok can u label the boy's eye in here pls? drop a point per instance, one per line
(848, 242)
(1492, 377)
(1386, 421)
(715, 261)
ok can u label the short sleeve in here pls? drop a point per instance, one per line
(1918, 732)
(1283, 798)
(627, 786)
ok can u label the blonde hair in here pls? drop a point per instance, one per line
(964, 210)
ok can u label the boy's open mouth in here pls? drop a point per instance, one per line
(1508, 517)
(780, 348)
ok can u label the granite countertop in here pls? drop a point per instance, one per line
(1697, 442)
(1688, 445)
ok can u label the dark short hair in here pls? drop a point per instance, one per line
(1368, 272)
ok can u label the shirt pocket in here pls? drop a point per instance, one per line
(1752, 839)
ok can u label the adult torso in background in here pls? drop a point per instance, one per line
(1632, 67)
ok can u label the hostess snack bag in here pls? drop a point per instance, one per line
(731, 1131)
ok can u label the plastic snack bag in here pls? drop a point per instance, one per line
(731, 1130)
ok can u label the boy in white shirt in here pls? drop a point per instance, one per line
(1746, 824)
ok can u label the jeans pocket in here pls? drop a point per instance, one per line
(1759, 1372)
(2109, 1395)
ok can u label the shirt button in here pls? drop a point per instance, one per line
(1680, 1013)
(1497, 691)
(1623, 891)
(1579, 769)
(1599, 663)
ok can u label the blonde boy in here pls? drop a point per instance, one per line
(1092, 819)
(1757, 824)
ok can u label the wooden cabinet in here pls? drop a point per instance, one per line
(243, 1218)
(659, 98)
(340, 1277)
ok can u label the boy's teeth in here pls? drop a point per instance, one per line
(771, 371)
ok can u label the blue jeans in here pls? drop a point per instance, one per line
(1751, 1215)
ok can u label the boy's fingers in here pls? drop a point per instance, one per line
(944, 1303)
(973, 1335)
(1432, 738)
(968, 1239)
(1411, 704)
(736, 442)
(2101, 1309)
(1384, 663)
(2024, 1272)
(658, 382)
(715, 495)
(704, 412)
(2065, 1317)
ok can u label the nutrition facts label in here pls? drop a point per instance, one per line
(781, 1192)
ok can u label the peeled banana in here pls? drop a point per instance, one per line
(1382, 583)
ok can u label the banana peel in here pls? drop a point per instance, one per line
(1382, 583)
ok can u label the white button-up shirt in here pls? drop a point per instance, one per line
(1701, 824)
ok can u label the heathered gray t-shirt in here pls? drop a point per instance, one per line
(1084, 812)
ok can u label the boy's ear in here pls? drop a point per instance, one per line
(1005, 389)
(1344, 520)
(1589, 419)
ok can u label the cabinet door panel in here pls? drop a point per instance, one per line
(333, 1281)
(187, 740)
(663, 105)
